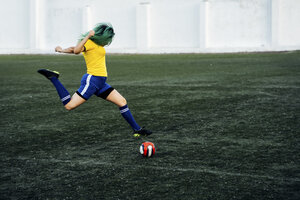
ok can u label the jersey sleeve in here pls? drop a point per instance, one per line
(88, 46)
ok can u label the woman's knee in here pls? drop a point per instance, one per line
(76, 101)
(69, 107)
(123, 102)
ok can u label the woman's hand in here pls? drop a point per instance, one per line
(58, 49)
(91, 33)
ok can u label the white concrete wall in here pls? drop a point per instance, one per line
(152, 26)
(14, 24)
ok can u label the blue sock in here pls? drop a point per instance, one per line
(125, 112)
(61, 90)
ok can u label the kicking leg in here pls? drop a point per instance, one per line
(69, 103)
(75, 101)
(61, 90)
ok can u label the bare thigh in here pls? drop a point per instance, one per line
(116, 98)
(75, 101)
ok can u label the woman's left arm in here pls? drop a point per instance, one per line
(80, 46)
(67, 50)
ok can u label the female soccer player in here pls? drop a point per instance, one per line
(94, 81)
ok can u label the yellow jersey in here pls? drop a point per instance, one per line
(94, 56)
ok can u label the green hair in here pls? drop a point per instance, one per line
(104, 34)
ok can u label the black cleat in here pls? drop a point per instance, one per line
(48, 74)
(142, 132)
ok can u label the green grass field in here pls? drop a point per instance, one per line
(226, 126)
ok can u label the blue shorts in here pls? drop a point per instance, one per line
(94, 85)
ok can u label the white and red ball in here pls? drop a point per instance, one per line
(147, 149)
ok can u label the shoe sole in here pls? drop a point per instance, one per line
(136, 135)
(41, 71)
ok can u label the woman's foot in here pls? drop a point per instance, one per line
(142, 132)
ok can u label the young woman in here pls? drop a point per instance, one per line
(94, 81)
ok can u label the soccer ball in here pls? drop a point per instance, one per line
(147, 149)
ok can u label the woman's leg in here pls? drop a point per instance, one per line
(69, 103)
(61, 90)
(75, 101)
(116, 98)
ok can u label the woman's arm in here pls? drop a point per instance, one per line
(80, 46)
(61, 50)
